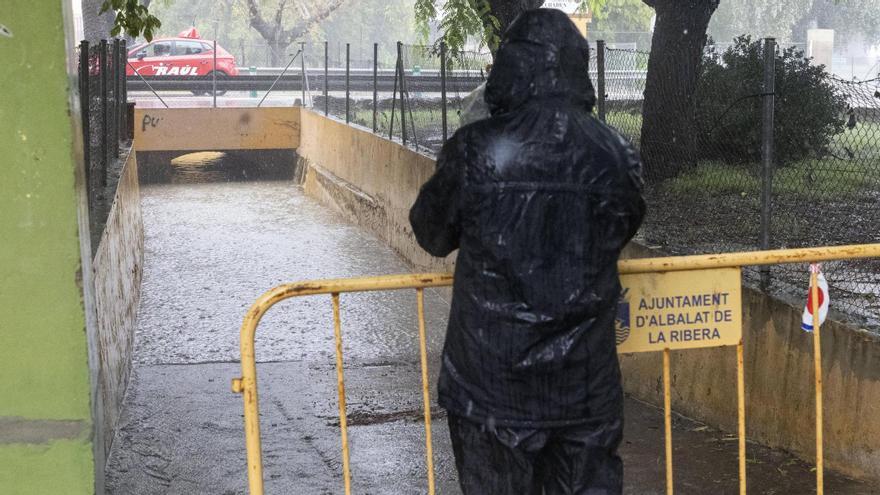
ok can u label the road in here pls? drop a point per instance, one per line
(211, 249)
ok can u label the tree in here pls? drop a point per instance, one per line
(485, 20)
(668, 142)
(363, 23)
(96, 25)
(130, 17)
(283, 28)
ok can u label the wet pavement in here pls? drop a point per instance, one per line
(211, 249)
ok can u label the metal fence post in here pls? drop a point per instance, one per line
(394, 93)
(443, 89)
(123, 92)
(404, 96)
(102, 63)
(767, 149)
(600, 78)
(85, 102)
(402, 103)
(302, 82)
(116, 90)
(347, 82)
(326, 78)
(214, 73)
(375, 86)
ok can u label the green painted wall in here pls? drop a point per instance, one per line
(43, 346)
(61, 467)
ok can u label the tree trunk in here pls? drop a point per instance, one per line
(669, 137)
(277, 53)
(96, 26)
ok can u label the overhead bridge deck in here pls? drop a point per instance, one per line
(200, 129)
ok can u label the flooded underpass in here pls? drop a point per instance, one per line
(220, 229)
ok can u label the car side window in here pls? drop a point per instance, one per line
(207, 47)
(159, 49)
(188, 48)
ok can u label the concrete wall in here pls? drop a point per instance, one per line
(374, 181)
(46, 425)
(187, 129)
(779, 383)
(117, 270)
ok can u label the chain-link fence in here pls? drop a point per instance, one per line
(816, 194)
(623, 77)
(428, 89)
(728, 189)
(415, 97)
(105, 126)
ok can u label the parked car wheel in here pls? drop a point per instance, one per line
(220, 76)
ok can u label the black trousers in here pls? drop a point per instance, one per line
(575, 460)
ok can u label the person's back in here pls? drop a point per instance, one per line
(540, 199)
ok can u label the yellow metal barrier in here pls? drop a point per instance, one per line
(247, 383)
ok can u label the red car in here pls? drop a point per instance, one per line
(185, 55)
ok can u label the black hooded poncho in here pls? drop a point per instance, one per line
(540, 198)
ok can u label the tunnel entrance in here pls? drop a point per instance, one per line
(188, 167)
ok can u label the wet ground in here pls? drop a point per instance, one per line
(211, 248)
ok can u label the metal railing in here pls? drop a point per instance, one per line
(247, 383)
(105, 125)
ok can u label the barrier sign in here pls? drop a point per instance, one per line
(679, 310)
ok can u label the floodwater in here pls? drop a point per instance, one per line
(220, 229)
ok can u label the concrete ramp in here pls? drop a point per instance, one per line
(198, 129)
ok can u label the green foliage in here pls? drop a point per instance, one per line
(809, 109)
(460, 20)
(132, 18)
(463, 20)
(425, 11)
(626, 16)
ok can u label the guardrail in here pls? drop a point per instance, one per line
(361, 80)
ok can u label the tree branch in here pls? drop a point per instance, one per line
(289, 35)
(257, 22)
(279, 15)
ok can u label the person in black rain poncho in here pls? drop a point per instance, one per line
(539, 199)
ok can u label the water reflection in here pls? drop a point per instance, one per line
(175, 167)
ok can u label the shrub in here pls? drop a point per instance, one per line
(809, 111)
